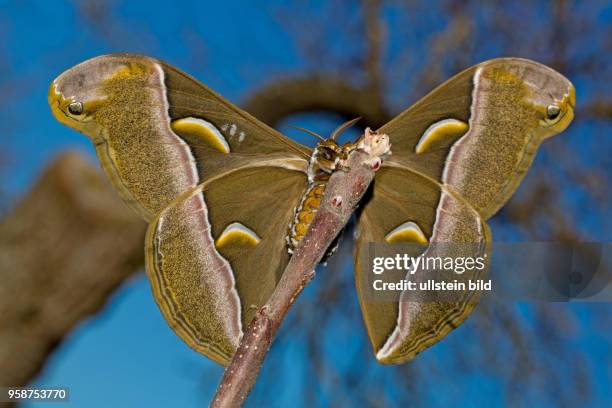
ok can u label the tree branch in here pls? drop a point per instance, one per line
(63, 250)
(598, 109)
(375, 37)
(342, 195)
(283, 98)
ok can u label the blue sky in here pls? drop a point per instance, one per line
(126, 355)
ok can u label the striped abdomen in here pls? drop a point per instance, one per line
(305, 212)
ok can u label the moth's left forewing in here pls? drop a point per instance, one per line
(219, 130)
(159, 132)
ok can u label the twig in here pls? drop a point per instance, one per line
(375, 38)
(342, 195)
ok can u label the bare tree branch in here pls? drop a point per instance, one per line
(598, 109)
(63, 250)
(375, 44)
(284, 98)
(342, 195)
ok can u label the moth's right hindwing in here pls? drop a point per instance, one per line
(407, 208)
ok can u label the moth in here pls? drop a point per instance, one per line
(227, 197)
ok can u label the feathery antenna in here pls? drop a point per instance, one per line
(343, 127)
(307, 131)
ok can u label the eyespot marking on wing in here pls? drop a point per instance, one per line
(561, 113)
(203, 129)
(237, 233)
(407, 232)
(440, 131)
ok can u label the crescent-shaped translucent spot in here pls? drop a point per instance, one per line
(408, 232)
(204, 130)
(440, 132)
(237, 233)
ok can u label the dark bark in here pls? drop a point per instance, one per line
(63, 250)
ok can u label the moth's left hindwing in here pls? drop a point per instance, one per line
(218, 186)
(475, 136)
(214, 255)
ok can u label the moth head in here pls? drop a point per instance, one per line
(77, 94)
(329, 152)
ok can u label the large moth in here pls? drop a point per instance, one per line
(227, 197)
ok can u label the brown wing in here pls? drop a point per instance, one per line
(218, 186)
(473, 137)
(158, 132)
(406, 207)
(215, 255)
(479, 131)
